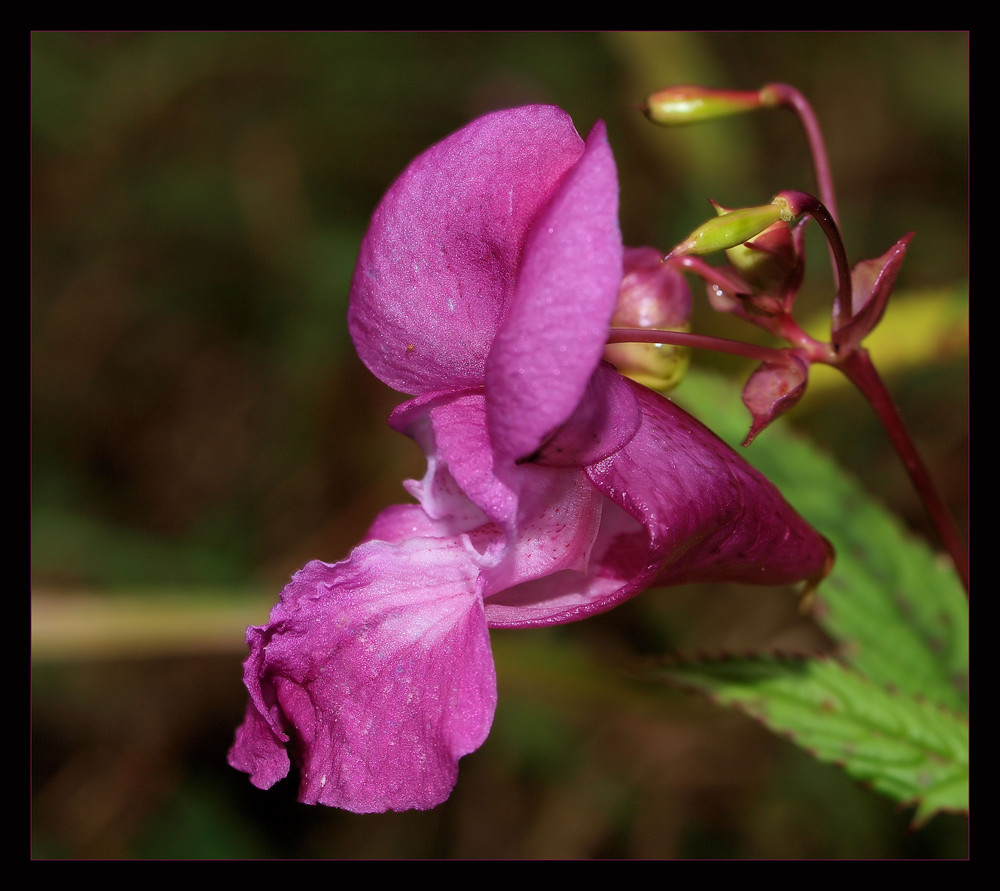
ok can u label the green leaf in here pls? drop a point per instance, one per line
(908, 749)
(892, 710)
(895, 607)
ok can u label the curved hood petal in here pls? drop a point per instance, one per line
(440, 261)
(554, 334)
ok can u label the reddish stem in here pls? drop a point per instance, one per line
(783, 94)
(697, 341)
(861, 372)
(804, 204)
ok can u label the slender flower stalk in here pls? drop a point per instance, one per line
(696, 341)
(800, 204)
(785, 95)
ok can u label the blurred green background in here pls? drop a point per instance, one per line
(202, 426)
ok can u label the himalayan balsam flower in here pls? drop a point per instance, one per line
(555, 487)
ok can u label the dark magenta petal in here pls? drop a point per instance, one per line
(707, 514)
(557, 324)
(378, 673)
(681, 507)
(442, 256)
(605, 419)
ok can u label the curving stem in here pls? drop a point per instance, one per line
(783, 94)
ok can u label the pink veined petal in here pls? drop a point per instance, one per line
(555, 330)
(400, 522)
(617, 556)
(557, 522)
(259, 748)
(379, 670)
(440, 260)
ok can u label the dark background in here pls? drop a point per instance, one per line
(201, 426)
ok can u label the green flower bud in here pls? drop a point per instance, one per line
(729, 229)
(691, 105)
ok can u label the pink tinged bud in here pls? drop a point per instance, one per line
(722, 299)
(693, 104)
(772, 390)
(652, 295)
(727, 291)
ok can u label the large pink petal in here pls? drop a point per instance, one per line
(379, 672)
(556, 327)
(440, 260)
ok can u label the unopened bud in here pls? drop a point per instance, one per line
(691, 105)
(652, 295)
(729, 229)
(771, 262)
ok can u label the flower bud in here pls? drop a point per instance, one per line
(653, 295)
(691, 105)
(771, 262)
(729, 229)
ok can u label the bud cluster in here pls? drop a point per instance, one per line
(764, 247)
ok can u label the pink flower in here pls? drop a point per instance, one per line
(555, 487)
